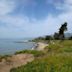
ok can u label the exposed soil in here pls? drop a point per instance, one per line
(15, 61)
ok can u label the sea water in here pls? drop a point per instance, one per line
(10, 46)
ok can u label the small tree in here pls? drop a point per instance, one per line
(48, 37)
(62, 29)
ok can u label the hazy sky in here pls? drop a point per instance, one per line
(31, 18)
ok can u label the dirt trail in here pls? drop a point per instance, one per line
(15, 61)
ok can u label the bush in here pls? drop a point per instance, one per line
(48, 38)
(70, 38)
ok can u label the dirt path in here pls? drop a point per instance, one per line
(15, 61)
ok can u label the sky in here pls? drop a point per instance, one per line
(32, 18)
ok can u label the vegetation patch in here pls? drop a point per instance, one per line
(60, 46)
(57, 58)
(52, 63)
(34, 52)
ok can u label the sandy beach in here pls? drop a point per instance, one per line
(39, 46)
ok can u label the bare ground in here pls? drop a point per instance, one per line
(15, 61)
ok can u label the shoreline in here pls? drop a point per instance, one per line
(20, 59)
(39, 46)
(36, 46)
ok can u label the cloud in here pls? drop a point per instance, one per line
(53, 1)
(68, 2)
(14, 21)
(6, 6)
(65, 6)
(22, 26)
(25, 3)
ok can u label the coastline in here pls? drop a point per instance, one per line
(20, 59)
(39, 46)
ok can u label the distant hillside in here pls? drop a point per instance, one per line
(67, 35)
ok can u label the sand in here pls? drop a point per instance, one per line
(40, 46)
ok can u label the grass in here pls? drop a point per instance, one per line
(47, 64)
(57, 58)
(60, 47)
(34, 52)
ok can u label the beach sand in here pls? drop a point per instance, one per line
(40, 46)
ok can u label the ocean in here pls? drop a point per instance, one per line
(10, 46)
